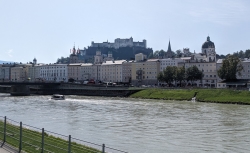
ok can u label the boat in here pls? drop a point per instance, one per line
(57, 97)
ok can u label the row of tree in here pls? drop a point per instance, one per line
(231, 66)
(179, 74)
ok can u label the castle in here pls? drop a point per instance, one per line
(121, 43)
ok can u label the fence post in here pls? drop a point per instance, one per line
(42, 140)
(20, 139)
(103, 148)
(69, 147)
(4, 130)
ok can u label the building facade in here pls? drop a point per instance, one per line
(145, 73)
(111, 71)
(54, 72)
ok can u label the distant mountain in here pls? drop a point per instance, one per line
(1, 62)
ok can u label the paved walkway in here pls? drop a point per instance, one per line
(7, 148)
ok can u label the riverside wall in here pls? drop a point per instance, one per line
(72, 89)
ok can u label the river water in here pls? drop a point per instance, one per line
(137, 126)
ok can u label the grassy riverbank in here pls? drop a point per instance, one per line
(31, 141)
(203, 95)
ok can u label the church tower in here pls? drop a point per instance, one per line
(208, 49)
(169, 53)
(98, 59)
(73, 56)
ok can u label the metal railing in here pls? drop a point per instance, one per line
(33, 139)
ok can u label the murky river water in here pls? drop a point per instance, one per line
(137, 126)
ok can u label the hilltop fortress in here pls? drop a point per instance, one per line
(121, 43)
(120, 49)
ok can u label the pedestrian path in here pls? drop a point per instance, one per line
(7, 148)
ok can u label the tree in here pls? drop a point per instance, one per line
(162, 53)
(175, 74)
(230, 67)
(178, 53)
(247, 53)
(160, 77)
(150, 56)
(194, 74)
(180, 74)
(156, 54)
(169, 75)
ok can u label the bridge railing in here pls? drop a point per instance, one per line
(36, 140)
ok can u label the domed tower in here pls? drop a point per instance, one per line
(34, 61)
(208, 49)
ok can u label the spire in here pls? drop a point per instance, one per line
(169, 46)
(208, 38)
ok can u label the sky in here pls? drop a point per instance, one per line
(48, 29)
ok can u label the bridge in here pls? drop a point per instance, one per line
(29, 83)
(22, 88)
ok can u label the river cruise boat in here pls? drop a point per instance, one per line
(58, 97)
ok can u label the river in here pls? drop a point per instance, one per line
(137, 125)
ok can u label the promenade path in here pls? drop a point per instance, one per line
(7, 148)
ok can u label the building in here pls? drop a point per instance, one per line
(53, 72)
(19, 73)
(87, 72)
(145, 72)
(169, 53)
(126, 72)
(98, 58)
(111, 71)
(74, 55)
(34, 73)
(164, 63)
(242, 79)
(5, 70)
(74, 71)
(205, 62)
(121, 43)
(140, 57)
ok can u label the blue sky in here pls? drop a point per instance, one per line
(48, 29)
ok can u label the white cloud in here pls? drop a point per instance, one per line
(10, 53)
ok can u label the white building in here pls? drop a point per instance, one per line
(87, 71)
(111, 71)
(126, 71)
(4, 73)
(54, 72)
(169, 62)
(140, 57)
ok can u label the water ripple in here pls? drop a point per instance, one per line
(137, 125)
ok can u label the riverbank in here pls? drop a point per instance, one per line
(32, 140)
(226, 96)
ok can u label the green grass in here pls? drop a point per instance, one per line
(223, 96)
(166, 94)
(34, 138)
(203, 95)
